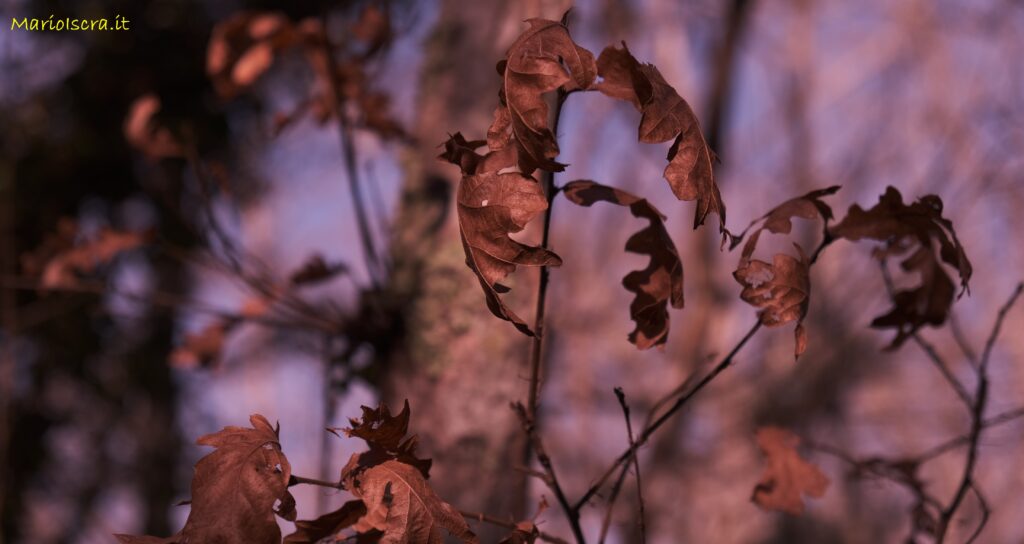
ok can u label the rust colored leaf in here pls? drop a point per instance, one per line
(787, 476)
(665, 116)
(386, 436)
(234, 489)
(400, 503)
(656, 286)
(781, 289)
(327, 525)
(142, 131)
(915, 228)
(525, 532)
(493, 203)
(543, 59)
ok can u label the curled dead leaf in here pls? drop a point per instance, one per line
(661, 282)
(142, 131)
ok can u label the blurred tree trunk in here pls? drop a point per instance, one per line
(458, 365)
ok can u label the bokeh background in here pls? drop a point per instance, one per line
(99, 410)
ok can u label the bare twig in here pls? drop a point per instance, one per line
(680, 402)
(484, 518)
(961, 340)
(571, 513)
(977, 419)
(348, 155)
(621, 396)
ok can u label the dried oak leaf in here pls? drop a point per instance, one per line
(385, 435)
(493, 202)
(234, 489)
(781, 289)
(656, 286)
(903, 227)
(243, 47)
(665, 116)
(327, 525)
(787, 476)
(143, 132)
(400, 503)
(542, 59)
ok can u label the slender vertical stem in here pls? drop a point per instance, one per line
(348, 155)
(536, 348)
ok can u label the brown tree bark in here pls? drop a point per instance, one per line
(459, 366)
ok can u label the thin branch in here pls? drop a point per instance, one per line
(621, 396)
(607, 521)
(651, 428)
(348, 155)
(985, 513)
(484, 518)
(961, 341)
(933, 355)
(536, 347)
(572, 514)
(977, 418)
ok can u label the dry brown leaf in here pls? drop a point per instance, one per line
(664, 116)
(542, 59)
(525, 532)
(915, 228)
(787, 476)
(327, 525)
(235, 488)
(143, 132)
(493, 203)
(385, 435)
(656, 286)
(401, 504)
(782, 289)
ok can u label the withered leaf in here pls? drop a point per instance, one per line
(781, 289)
(385, 435)
(787, 476)
(525, 532)
(235, 488)
(332, 523)
(243, 47)
(143, 132)
(542, 59)
(656, 286)
(665, 116)
(904, 227)
(401, 504)
(491, 204)
(203, 348)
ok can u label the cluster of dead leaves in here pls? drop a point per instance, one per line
(913, 230)
(245, 46)
(499, 196)
(239, 487)
(395, 504)
(781, 289)
(67, 255)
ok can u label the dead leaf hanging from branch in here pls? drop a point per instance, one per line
(787, 476)
(656, 286)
